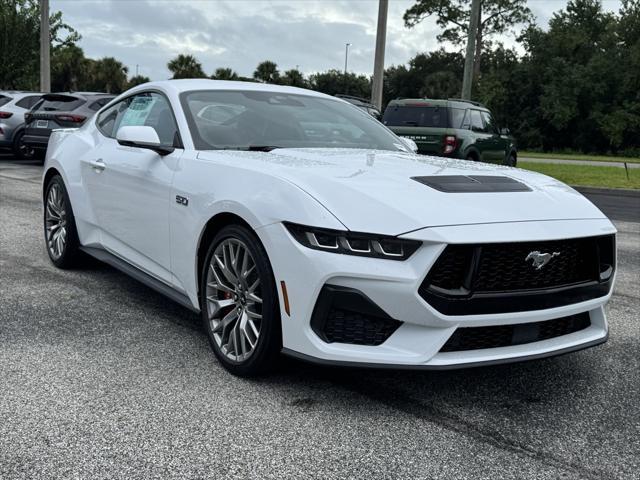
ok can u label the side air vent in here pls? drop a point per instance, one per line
(346, 315)
(472, 183)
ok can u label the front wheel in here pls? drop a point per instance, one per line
(512, 161)
(60, 232)
(239, 303)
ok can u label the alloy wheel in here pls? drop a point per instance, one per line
(56, 221)
(234, 300)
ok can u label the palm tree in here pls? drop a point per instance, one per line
(186, 66)
(267, 72)
(108, 75)
(294, 78)
(224, 74)
(137, 80)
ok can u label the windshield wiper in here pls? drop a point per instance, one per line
(261, 148)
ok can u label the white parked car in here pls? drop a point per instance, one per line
(296, 223)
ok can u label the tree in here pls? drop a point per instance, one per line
(267, 72)
(137, 80)
(69, 69)
(107, 75)
(224, 74)
(496, 17)
(186, 66)
(335, 82)
(432, 75)
(20, 42)
(294, 78)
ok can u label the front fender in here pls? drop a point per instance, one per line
(212, 188)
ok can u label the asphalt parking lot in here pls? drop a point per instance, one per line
(100, 377)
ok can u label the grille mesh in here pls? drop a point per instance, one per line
(503, 267)
(476, 338)
(343, 326)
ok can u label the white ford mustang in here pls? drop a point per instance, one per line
(296, 223)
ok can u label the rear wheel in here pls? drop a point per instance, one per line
(60, 232)
(511, 161)
(471, 157)
(239, 303)
(20, 149)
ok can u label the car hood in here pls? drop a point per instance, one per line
(373, 190)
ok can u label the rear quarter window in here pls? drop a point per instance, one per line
(416, 116)
(4, 100)
(28, 102)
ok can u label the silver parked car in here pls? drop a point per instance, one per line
(13, 106)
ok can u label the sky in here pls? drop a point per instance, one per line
(305, 34)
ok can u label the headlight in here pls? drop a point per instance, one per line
(352, 243)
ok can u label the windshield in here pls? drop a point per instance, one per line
(410, 116)
(223, 119)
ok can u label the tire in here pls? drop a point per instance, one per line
(471, 158)
(20, 150)
(512, 161)
(245, 334)
(63, 247)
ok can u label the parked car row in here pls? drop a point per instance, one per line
(27, 118)
(451, 128)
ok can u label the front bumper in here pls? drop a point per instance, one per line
(393, 287)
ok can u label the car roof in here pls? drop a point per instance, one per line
(191, 84)
(433, 102)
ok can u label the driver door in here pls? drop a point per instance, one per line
(132, 186)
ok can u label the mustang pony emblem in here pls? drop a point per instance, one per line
(540, 259)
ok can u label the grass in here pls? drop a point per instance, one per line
(578, 156)
(587, 175)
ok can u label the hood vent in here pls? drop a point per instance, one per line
(472, 183)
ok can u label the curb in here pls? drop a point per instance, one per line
(620, 192)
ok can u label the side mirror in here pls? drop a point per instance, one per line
(142, 137)
(411, 145)
(505, 131)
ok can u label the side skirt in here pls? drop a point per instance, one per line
(140, 276)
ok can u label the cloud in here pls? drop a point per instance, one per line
(239, 34)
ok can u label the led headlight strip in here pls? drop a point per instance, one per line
(353, 243)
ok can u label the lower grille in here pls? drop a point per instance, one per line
(476, 338)
(343, 326)
(345, 315)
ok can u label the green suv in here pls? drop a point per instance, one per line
(451, 128)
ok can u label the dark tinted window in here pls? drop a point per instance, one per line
(476, 121)
(457, 117)
(4, 99)
(98, 104)
(400, 115)
(61, 103)
(490, 125)
(28, 102)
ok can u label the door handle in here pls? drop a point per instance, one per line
(97, 165)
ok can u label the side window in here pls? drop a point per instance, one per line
(98, 104)
(28, 102)
(151, 110)
(476, 121)
(489, 123)
(457, 117)
(107, 120)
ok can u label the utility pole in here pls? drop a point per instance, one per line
(378, 64)
(471, 47)
(346, 58)
(45, 45)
